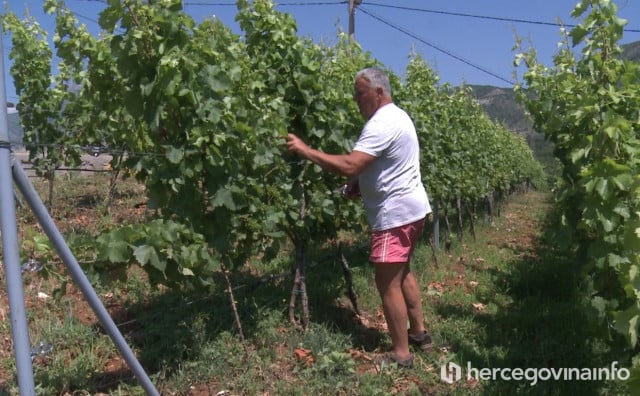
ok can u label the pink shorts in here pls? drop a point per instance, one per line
(395, 245)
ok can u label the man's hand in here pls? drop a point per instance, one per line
(349, 165)
(296, 145)
(351, 189)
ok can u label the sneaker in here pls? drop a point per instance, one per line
(390, 359)
(422, 341)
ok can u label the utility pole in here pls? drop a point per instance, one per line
(352, 11)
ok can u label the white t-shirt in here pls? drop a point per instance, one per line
(391, 186)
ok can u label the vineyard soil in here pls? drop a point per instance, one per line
(193, 348)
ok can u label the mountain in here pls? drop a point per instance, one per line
(631, 51)
(15, 129)
(501, 106)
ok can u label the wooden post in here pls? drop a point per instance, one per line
(352, 11)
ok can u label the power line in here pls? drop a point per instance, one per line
(308, 3)
(80, 16)
(383, 20)
(208, 4)
(483, 16)
(373, 4)
(434, 46)
(317, 3)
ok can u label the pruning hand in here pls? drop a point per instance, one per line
(296, 145)
(351, 189)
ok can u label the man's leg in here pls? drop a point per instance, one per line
(389, 280)
(411, 293)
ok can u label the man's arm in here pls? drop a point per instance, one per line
(349, 165)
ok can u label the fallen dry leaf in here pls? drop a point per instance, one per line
(304, 355)
(437, 286)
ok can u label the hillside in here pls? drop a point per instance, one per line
(15, 130)
(631, 51)
(501, 106)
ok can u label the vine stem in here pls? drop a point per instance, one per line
(471, 213)
(347, 277)
(299, 287)
(447, 243)
(232, 299)
(299, 282)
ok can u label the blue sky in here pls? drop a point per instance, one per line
(462, 40)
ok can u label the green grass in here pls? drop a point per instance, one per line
(508, 299)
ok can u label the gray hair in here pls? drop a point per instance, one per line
(377, 79)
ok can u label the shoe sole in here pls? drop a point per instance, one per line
(423, 346)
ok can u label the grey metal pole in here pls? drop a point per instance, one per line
(11, 253)
(56, 238)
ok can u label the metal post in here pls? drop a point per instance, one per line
(57, 240)
(11, 253)
(11, 256)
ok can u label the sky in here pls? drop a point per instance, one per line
(464, 41)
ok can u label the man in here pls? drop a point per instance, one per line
(384, 166)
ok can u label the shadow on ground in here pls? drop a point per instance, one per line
(543, 325)
(173, 328)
